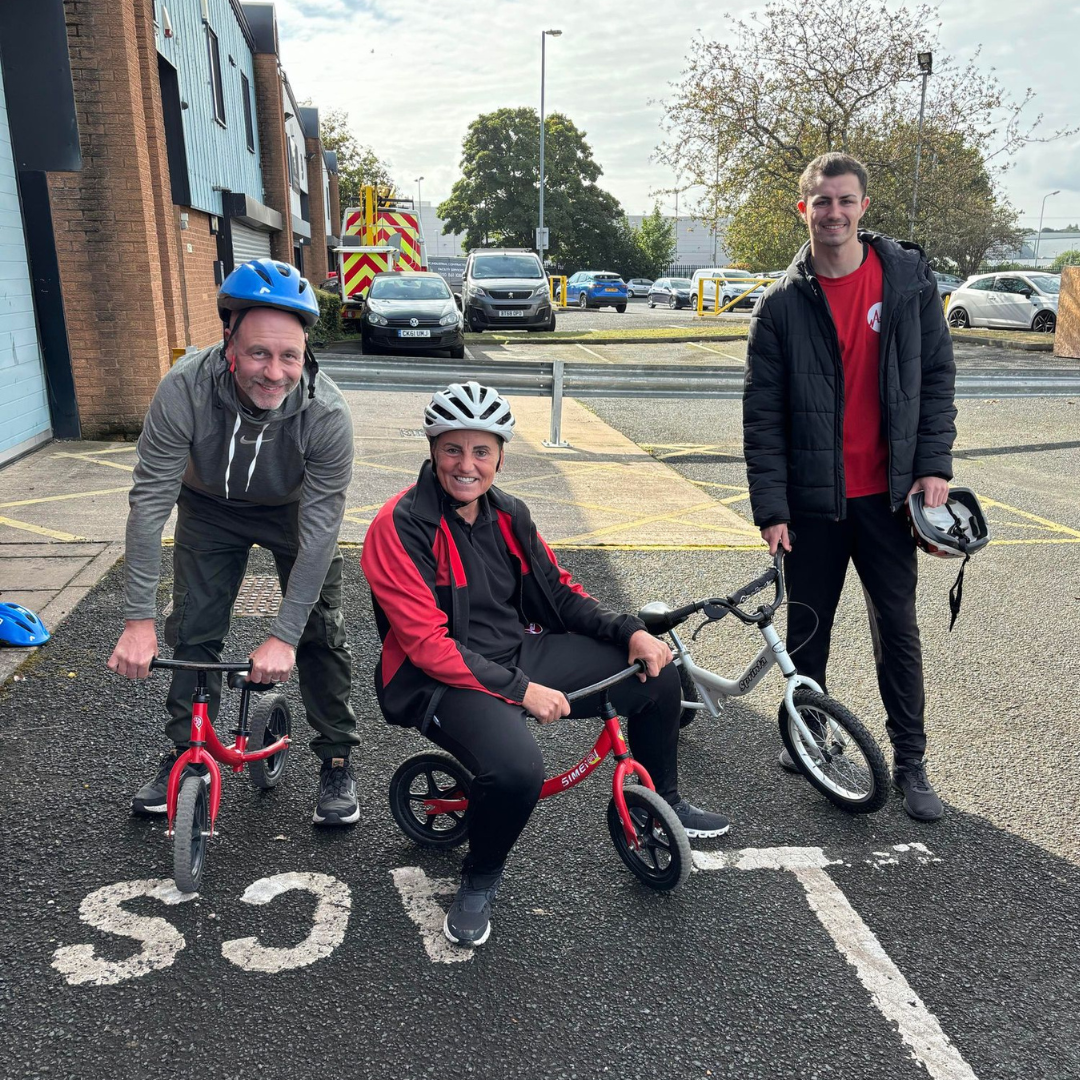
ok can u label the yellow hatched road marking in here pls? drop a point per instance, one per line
(55, 534)
(109, 464)
(641, 521)
(59, 498)
(1049, 525)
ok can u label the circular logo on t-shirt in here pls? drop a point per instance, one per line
(873, 317)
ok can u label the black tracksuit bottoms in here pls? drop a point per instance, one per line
(209, 559)
(491, 737)
(880, 544)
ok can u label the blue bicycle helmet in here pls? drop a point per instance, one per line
(268, 283)
(20, 626)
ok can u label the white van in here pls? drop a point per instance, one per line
(730, 285)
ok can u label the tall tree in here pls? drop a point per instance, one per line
(801, 77)
(496, 199)
(358, 164)
(655, 242)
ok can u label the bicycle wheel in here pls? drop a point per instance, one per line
(689, 694)
(433, 775)
(663, 859)
(845, 764)
(268, 722)
(191, 830)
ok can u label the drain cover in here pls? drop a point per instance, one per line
(259, 596)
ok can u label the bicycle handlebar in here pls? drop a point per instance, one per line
(637, 667)
(197, 665)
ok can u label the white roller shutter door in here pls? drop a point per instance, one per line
(249, 243)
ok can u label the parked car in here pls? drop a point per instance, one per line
(596, 288)
(729, 286)
(638, 286)
(410, 311)
(1021, 301)
(671, 292)
(947, 284)
(506, 287)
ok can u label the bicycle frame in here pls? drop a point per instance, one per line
(715, 690)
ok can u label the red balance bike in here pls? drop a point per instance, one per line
(262, 739)
(429, 796)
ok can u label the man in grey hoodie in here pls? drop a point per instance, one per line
(253, 445)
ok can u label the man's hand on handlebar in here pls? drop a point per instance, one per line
(272, 661)
(546, 704)
(651, 651)
(138, 645)
(776, 536)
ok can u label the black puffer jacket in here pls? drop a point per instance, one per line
(793, 400)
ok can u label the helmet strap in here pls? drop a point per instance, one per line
(312, 365)
(228, 334)
(956, 593)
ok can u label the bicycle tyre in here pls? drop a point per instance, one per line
(664, 860)
(689, 693)
(268, 721)
(859, 787)
(439, 831)
(191, 830)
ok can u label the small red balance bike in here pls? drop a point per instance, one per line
(262, 739)
(429, 796)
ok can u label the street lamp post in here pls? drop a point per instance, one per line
(926, 66)
(1038, 235)
(418, 179)
(543, 59)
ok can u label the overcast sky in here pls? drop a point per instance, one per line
(413, 74)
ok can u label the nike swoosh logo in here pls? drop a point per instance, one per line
(251, 442)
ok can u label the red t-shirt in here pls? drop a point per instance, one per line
(855, 302)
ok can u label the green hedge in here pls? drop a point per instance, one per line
(328, 328)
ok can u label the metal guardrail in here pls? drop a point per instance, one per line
(556, 379)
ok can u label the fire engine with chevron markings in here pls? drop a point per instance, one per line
(382, 233)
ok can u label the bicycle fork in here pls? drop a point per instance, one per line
(792, 682)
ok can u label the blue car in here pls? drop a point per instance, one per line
(596, 288)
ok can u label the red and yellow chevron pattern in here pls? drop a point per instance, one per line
(360, 267)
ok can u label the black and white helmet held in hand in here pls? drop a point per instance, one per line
(955, 530)
(469, 407)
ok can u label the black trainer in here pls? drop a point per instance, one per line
(920, 800)
(468, 922)
(700, 823)
(151, 798)
(786, 762)
(337, 803)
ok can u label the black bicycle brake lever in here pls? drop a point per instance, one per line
(693, 637)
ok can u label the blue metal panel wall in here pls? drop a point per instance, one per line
(218, 156)
(24, 406)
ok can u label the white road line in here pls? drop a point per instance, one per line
(602, 359)
(327, 924)
(469, 355)
(889, 990)
(418, 894)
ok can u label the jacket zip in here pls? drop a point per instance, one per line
(838, 426)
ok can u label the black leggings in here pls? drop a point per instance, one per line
(491, 737)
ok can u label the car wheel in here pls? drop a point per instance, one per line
(620, 308)
(551, 323)
(651, 304)
(582, 301)
(958, 318)
(1044, 322)
(672, 302)
(457, 352)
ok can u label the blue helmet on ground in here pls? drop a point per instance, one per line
(20, 626)
(268, 283)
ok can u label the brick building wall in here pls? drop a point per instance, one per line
(120, 283)
(198, 253)
(269, 110)
(316, 256)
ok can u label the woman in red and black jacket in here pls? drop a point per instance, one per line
(482, 628)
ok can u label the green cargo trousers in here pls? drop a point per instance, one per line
(212, 543)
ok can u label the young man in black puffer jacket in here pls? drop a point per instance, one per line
(848, 407)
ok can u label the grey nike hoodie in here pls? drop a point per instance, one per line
(198, 434)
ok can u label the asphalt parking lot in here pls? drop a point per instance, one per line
(807, 944)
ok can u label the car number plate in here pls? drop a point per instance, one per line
(414, 333)
(511, 314)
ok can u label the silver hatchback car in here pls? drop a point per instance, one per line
(1019, 300)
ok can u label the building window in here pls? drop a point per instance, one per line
(215, 76)
(245, 89)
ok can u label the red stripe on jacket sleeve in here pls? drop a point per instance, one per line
(565, 578)
(506, 527)
(407, 600)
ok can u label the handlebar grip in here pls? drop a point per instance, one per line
(238, 681)
(755, 586)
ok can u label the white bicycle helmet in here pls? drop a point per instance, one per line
(469, 407)
(955, 530)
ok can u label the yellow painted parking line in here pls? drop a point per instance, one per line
(109, 464)
(568, 546)
(725, 487)
(58, 498)
(695, 345)
(363, 509)
(1036, 540)
(25, 526)
(712, 528)
(741, 497)
(571, 502)
(129, 449)
(641, 521)
(706, 449)
(1051, 526)
(386, 468)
